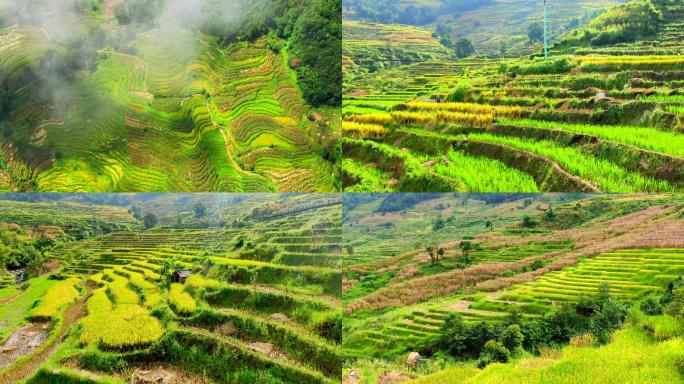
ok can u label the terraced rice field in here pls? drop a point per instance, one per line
(366, 43)
(398, 304)
(606, 120)
(181, 114)
(261, 303)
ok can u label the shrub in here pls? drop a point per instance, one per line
(512, 338)
(493, 352)
(461, 92)
(609, 315)
(651, 305)
(582, 341)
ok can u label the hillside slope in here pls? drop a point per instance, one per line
(604, 113)
(490, 24)
(103, 301)
(475, 271)
(124, 105)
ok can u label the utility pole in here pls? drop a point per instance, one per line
(546, 33)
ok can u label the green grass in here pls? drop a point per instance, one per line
(632, 358)
(13, 313)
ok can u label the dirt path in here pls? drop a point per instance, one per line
(23, 342)
(26, 368)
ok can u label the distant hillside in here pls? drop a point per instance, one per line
(493, 25)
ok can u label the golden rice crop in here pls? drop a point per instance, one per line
(371, 118)
(137, 280)
(363, 131)
(122, 327)
(466, 119)
(55, 298)
(96, 278)
(402, 117)
(496, 110)
(121, 293)
(149, 291)
(198, 281)
(634, 60)
(181, 301)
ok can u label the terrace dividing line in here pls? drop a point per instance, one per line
(28, 367)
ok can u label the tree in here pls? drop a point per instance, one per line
(440, 253)
(454, 335)
(528, 222)
(512, 338)
(489, 225)
(466, 247)
(493, 352)
(651, 305)
(550, 215)
(136, 211)
(169, 266)
(350, 250)
(675, 306)
(503, 47)
(200, 210)
(150, 220)
(431, 251)
(438, 223)
(535, 32)
(464, 48)
(606, 313)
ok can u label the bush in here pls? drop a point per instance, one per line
(609, 315)
(546, 67)
(512, 338)
(582, 341)
(651, 305)
(461, 93)
(493, 352)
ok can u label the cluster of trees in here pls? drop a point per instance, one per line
(148, 219)
(395, 202)
(437, 253)
(597, 316)
(462, 46)
(391, 11)
(591, 321)
(18, 250)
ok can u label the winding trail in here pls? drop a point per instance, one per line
(26, 368)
